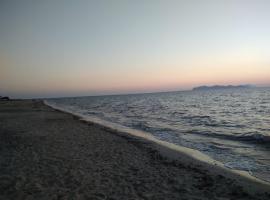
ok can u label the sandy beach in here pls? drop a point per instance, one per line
(48, 154)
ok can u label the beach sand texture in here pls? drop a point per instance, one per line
(47, 154)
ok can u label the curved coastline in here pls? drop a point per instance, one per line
(175, 152)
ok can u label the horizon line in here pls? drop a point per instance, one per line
(137, 93)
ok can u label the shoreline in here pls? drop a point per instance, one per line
(55, 155)
(167, 149)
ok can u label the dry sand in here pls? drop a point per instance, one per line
(47, 154)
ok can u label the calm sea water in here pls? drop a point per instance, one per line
(231, 126)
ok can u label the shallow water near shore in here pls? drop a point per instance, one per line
(230, 126)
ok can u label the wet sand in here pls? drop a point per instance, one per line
(47, 154)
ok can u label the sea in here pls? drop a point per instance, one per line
(229, 125)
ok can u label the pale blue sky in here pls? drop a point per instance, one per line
(83, 47)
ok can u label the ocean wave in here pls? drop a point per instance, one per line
(248, 137)
(255, 136)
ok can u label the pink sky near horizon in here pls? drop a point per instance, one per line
(132, 80)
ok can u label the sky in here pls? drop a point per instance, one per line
(58, 48)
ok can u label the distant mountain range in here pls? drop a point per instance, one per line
(222, 87)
